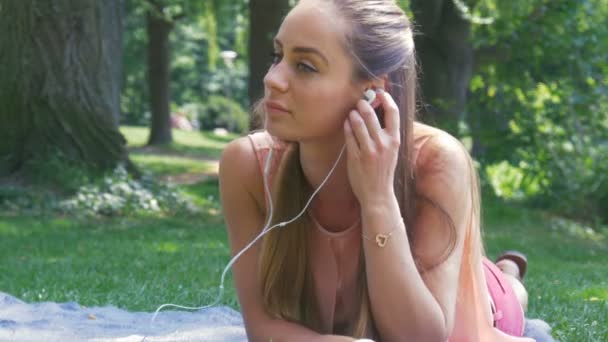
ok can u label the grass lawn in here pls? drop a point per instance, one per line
(141, 262)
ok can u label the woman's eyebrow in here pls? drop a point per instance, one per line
(304, 49)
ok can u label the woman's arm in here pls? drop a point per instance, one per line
(242, 191)
(405, 304)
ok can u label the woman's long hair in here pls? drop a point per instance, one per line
(380, 41)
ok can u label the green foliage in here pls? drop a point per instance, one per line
(540, 98)
(134, 100)
(58, 172)
(210, 25)
(511, 182)
(229, 81)
(115, 194)
(17, 200)
(223, 112)
(118, 194)
(49, 179)
(202, 29)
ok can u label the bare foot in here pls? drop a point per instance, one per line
(508, 266)
(514, 264)
(519, 289)
(519, 260)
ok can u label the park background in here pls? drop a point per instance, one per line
(114, 115)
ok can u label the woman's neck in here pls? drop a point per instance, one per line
(317, 159)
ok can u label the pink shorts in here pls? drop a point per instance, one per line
(508, 313)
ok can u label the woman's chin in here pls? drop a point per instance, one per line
(279, 132)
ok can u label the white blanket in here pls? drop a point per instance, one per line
(47, 321)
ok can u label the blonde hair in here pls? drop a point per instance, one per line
(380, 41)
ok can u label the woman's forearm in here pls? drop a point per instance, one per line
(402, 306)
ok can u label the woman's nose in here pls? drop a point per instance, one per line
(276, 78)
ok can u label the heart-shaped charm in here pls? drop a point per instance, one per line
(381, 239)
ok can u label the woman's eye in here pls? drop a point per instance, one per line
(305, 67)
(276, 57)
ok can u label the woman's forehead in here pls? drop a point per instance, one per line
(313, 24)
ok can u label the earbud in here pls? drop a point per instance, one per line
(369, 95)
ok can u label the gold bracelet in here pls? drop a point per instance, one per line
(381, 239)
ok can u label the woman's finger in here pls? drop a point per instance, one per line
(360, 132)
(351, 143)
(392, 119)
(371, 119)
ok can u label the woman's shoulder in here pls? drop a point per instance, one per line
(437, 151)
(243, 161)
(239, 164)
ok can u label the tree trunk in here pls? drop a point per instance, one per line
(265, 18)
(60, 66)
(159, 77)
(446, 55)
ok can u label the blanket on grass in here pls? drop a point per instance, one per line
(66, 322)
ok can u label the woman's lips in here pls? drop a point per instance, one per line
(273, 107)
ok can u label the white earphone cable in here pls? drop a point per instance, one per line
(264, 231)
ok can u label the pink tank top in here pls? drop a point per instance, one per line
(334, 263)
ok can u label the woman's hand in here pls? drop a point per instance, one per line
(372, 151)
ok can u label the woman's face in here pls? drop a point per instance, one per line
(311, 76)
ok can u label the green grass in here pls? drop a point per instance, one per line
(190, 153)
(131, 263)
(567, 278)
(173, 165)
(138, 263)
(189, 144)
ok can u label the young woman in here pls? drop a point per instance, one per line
(390, 247)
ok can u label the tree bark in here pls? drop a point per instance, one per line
(265, 18)
(60, 66)
(446, 55)
(159, 77)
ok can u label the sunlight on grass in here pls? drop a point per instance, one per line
(593, 294)
(576, 229)
(6, 229)
(172, 165)
(195, 142)
(136, 136)
(167, 247)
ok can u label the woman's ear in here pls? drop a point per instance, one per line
(378, 83)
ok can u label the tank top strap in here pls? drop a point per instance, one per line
(263, 143)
